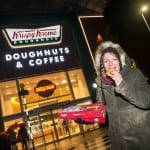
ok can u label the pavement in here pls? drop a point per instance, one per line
(93, 140)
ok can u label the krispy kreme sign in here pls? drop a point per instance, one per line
(45, 88)
(31, 37)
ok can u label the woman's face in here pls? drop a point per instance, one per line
(110, 61)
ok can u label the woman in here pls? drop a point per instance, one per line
(127, 97)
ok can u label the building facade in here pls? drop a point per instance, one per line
(45, 66)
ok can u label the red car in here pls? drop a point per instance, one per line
(84, 113)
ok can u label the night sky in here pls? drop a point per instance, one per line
(127, 27)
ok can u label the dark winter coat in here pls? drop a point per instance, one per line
(128, 108)
(23, 133)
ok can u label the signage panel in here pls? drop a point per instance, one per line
(45, 88)
(27, 51)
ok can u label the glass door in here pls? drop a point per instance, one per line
(36, 130)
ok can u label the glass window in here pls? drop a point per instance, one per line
(60, 93)
(78, 84)
(9, 98)
(64, 91)
(13, 123)
(63, 86)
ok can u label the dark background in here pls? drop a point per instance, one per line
(122, 17)
(127, 26)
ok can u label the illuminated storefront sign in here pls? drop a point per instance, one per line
(45, 88)
(31, 37)
(38, 57)
(35, 51)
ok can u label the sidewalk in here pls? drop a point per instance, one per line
(93, 140)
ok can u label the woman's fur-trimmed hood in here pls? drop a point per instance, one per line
(101, 48)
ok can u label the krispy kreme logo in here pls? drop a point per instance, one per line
(32, 37)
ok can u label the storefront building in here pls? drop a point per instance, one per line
(45, 67)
